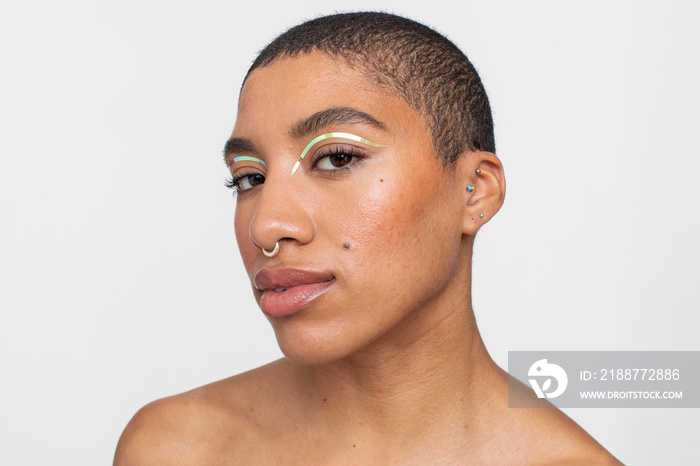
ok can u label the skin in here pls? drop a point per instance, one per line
(388, 366)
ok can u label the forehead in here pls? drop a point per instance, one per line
(277, 96)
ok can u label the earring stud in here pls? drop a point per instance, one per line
(273, 252)
(478, 171)
(470, 188)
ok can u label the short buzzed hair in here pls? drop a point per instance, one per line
(417, 63)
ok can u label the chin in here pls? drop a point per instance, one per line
(311, 347)
(308, 358)
(311, 357)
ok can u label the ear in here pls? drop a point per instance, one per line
(482, 171)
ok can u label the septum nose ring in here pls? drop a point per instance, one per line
(274, 251)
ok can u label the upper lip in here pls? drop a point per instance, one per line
(287, 277)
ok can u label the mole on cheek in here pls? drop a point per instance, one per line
(381, 180)
(346, 245)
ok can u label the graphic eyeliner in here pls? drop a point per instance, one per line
(332, 135)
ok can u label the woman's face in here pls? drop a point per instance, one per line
(369, 231)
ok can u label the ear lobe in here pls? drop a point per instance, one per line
(484, 188)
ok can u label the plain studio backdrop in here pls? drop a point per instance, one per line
(120, 278)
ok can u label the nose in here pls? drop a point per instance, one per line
(282, 213)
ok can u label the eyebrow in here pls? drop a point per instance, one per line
(238, 146)
(310, 125)
(333, 116)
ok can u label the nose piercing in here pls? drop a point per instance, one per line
(273, 252)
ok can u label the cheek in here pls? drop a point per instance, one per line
(366, 217)
(242, 231)
(241, 224)
(390, 225)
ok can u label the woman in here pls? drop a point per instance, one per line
(364, 164)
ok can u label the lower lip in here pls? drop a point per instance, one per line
(292, 300)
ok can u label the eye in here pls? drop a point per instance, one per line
(334, 161)
(245, 181)
(336, 158)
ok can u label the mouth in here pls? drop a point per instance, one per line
(286, 291)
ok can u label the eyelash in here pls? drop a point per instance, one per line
(232, 182)
(329, 151)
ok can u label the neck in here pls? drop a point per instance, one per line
(433, 366)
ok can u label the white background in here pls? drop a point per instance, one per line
(120, 280)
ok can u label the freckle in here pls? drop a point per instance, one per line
(346, 245)
(381, 180)
(324, 400)
(353, 446)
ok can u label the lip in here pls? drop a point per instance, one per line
(288, 290)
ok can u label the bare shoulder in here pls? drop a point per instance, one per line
(561, 441)
(545, 435)
(209, 425)
(174, 430)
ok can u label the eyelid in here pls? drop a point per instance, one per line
(240, 173)
(328, 151)
(332, 135)
(241, 158)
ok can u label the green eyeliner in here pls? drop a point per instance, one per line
(250, 159)
(331, 135)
